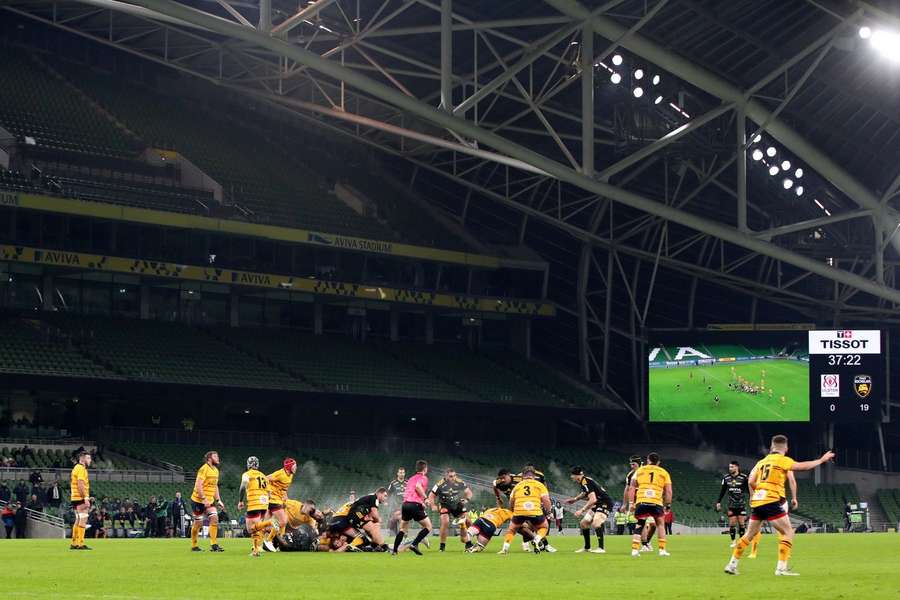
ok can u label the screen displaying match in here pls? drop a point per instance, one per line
(728, 376)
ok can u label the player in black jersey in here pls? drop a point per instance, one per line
(634, 462)
(734, 483)
(595, 510)
(452, 495)
(503, 486)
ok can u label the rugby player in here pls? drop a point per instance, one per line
(503, 486)
(734, 483)
(359, 520)
(768, 501)
(530, 502)
(595, 510)
(485, 527)
(396, 489)
(302, 513)
(279, 483)
(650, 491)
(80, 496)
(254, 496)
(634, 462)
(413, 508)
(204, 500)
(451, 495)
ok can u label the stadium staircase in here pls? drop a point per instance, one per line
(889, 502)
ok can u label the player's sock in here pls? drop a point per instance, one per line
(398, 540)
(662, 544)
(214, 535)
(423, 533)
(256, 536)
(443, 546)
(755, 543)
(635, 544)
(741, 530)
(739, 548)
(77, 533)
(586, 533)
(195, 532)
(508, 538)
(784, 553)
(599, 532)
(468, 544)
(731, 532)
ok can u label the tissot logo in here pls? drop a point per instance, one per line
(856, 341)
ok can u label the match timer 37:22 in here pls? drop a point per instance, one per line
(846, 374)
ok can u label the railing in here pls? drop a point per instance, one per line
(39, 516)
(123, 475)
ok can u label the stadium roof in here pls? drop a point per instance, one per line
(755, 179)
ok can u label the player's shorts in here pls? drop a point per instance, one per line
(770, 511)
(485, 527)
(592, 513)
(77, 503)
(274, 507)
(737, 511)
(255, 514)
(643, 511)
(198, 508)
(455, 511)
(340, 525)
(534, 520)
(413, 511)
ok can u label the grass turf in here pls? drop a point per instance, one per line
(833, 566)
(694, 402)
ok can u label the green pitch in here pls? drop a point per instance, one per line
(694, 402)
(833, 566)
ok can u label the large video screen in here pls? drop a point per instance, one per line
(728, 376)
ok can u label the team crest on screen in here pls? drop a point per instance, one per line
(831, 385)
(862, 385)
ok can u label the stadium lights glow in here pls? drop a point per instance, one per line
(638, 92)
(639, 74)
(788, 183)
(865, 32)
(656, 79)
(799, 190)
(757, 139)
(757, 154)
(785, 165)
(658, 100)
(827, 212)
(615, 78)
(773, 170)
(771, 151)
(617, 59)
(798, 173)
(819, 204)
(887, 43)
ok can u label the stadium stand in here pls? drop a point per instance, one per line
(37, 105)
(34, 347)
(163, 351)
(128, 193)
(274, 187)
(889, 499)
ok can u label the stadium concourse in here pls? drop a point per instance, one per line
(425, 281)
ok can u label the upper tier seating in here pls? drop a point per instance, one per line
(36, 104)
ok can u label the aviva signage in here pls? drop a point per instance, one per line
(154, 268)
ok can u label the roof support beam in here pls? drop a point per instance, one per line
(500, 144)
(304, 15)
(726, 91)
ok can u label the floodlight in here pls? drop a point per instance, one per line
(617, 59)
(773, 170)
(798, 173)
(788, 183)
(757, 154)
(771, 151)
(615, 78)
(785, 165)
(638, 92)
(656, 79)
(639, 74)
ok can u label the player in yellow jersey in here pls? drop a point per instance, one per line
(768, 502)
(649, 493)
(530, 503)
(80, 496)
(485, 527)
(279, 483)
(204, 502)
(302, 513)
(255, 496)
